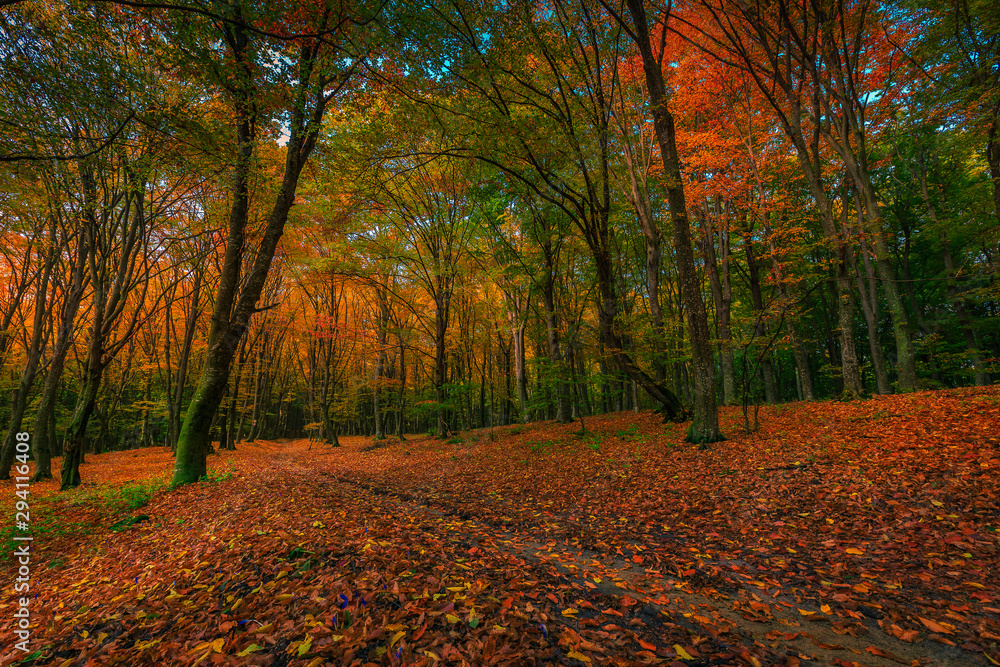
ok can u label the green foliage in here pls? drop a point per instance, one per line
(631, 432)
(45, 524)
(129, 496)
(128, 522)
(108, 501)
(216, 476)
(541, 447)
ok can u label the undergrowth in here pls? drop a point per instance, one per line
(47, 513)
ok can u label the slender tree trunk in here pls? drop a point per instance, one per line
(905, 358)
(869, 307)
(803, 375)
(869, 298)
(44, 441)
(980, 376)
(382, 325)
(401, 394)
(993, 158)
(34, 355)
(651, 232)
(555, 352)
(93, 369)
(519, 366)
(757, 298)
(612, 342)
(190, 323)
(718, 277)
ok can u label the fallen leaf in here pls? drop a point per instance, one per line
(937, 627)
(681, 653)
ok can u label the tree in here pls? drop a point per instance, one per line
(313, 74)
(705, 423)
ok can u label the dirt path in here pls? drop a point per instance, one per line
(735, 620)
(534, 551)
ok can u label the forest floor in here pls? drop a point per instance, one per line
(861, 533)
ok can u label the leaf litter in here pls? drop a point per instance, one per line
(858, 533)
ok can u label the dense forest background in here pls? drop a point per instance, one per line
(226, 221)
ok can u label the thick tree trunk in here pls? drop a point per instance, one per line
(705, 424)
(850, 369)
(442, 303)
(235, 305)
(76, 433)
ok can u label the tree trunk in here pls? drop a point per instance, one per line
(76, 433)
(382, 324)
(521, 377)
(980, 376)
(705, 424)
(235, 305)
(190, 323)
(803, 376)
(718, 275)
(993, 158)
(552, 338)
(400, 395)
(905, 358)
(442, 302)
(31, 366)
(757, 298)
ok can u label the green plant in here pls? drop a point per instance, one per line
(135, 496)
(216, 476)
(127, 523)
(46, 524)
(540, 447)
(631, 432)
